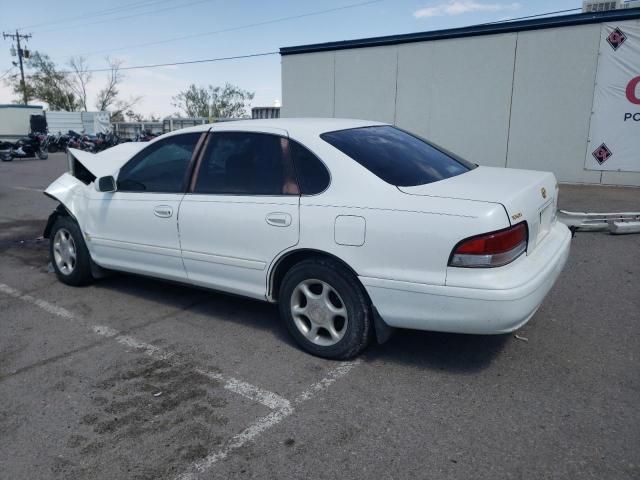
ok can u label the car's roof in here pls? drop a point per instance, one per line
(291, 125)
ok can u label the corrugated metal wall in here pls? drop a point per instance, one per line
(520, 100)
(64, 121)
(77, 121)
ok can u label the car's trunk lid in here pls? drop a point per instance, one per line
(526, 195)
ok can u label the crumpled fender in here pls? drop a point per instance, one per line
(70, 192)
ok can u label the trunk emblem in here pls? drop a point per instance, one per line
(543, 191)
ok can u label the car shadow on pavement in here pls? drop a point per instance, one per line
(215, 305)
(455, 353)
(452, 352)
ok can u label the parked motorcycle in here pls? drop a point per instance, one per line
(31, 146)
(145, 136)
(58, 143)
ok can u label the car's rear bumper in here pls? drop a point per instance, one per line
(479, 301)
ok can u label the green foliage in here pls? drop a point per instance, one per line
(193, 102)
(46, 83)
(229, 101)
(67, 90)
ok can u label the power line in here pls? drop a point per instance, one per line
(7, 72)
(98, 13)
(152, 12)
(263, 54)
(533, 16)
(171, 64)
(231, 29)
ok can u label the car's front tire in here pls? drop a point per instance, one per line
(68, 253)
(326, 310)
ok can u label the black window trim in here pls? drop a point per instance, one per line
(189, 170)
(203, 151)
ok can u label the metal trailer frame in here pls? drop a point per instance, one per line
(616, 223)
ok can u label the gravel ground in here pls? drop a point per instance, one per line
(136, 378)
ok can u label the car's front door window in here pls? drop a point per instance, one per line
(161, 167)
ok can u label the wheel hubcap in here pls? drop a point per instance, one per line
(64, 251)
(319, 312)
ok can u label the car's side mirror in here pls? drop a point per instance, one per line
(107, 184)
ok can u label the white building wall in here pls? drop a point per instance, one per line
(457, 93)
(365, 83)
(520, 100)
(308, 81)
(15, 121)
(552, 99)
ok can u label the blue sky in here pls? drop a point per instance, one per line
(57, 32)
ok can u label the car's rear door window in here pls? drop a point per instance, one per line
(397, 157)
(246, 163)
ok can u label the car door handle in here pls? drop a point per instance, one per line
(278, 219)
(163, 211)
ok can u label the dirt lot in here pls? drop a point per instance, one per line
(135, 378)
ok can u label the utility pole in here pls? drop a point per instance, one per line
(17, 36)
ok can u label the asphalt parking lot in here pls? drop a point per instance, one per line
(136, 378)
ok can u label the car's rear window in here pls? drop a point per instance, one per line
(397, 157)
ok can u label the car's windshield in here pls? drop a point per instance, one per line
(397, 157)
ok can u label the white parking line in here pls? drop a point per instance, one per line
(262, 424)
(46, 306)
(281, 407)
(252, 392)
(31, 189)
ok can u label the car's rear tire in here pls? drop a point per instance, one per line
(325, 309)
(68, 253)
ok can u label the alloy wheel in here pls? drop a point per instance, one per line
(318, 312)
(64, 251)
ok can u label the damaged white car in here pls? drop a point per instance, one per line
(353, 227)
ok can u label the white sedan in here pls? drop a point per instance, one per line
(353, 227)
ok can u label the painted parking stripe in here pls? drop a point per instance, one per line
(46, 306)
(252, 392)
(262, 424)
(30, 189)
(281, 407)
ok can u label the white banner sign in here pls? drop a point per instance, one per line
(614, 136)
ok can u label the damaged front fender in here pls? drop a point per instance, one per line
(69, 191)
(60, 211)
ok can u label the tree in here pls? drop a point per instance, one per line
(194, 101)
(46, 83)
(67, 89)
(108, 95)
(79, 79)
(133, 116)
(229, 101)
(108, 100)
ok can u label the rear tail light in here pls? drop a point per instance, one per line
(493, 249)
